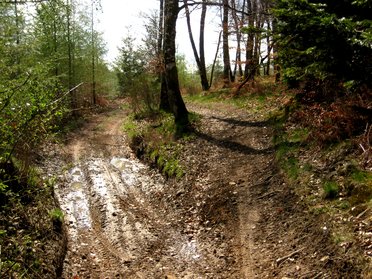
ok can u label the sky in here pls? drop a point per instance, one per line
(119, 15)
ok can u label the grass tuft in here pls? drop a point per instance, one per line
(331, 189)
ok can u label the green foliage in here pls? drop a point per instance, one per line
(131, 128)
(26, 227)
(56, 214)
(43, 54)
(64, 40)
(165, 158)
(298, 135)
(207, 97)
(28, 110)
(157, 139)
(286, 156)
(135, 77)
(361, 176)
(359, 185)
(186, 77)
(324, 40)
(130, 66)
(331, 189)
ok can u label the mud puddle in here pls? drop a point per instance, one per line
(123, 219)
(100, 199)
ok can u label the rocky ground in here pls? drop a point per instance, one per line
(232, 215)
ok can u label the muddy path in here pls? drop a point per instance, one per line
(225, 219)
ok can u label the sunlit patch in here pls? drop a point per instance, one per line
(189, 250)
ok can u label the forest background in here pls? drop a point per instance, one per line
(53, 70)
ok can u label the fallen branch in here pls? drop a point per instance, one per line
(282, 259)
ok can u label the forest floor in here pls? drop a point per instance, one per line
(232, 215)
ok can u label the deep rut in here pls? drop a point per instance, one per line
(124, 220)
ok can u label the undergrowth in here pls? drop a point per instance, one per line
(261, 96)
(31, 231)
(324, 152)
(154, 138)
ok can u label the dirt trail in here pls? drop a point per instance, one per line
(125, 220)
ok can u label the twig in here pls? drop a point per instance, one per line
(369, 132)
(362, 213)
(282, 259)
(318, 275)
(64, 94)
(307, 274)
(361, 146)
(269, 194)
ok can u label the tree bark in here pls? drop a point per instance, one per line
(268, 64)
(164, 102)
(94, 93)
(200, 60)
(215, 58)
(203, 68)
(275, 54)
(176, 102)
(225, 45)
(237, 25)
(250, 42)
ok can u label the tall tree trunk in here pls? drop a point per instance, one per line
(203, 68)
(275, 55)
(69, 50)
(257, 40)
(164, 102)
(268, 64)
(161, 27)
(55, 48)
(215, 58)
(200, 61)
(237, 25)
(93, 58)
(171, 75)
(250, 42)
(225, 45)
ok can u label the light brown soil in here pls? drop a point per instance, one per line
(231, 216)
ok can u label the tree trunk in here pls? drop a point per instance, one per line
(250, 42)
(225, 45)
(94, 95)
(257, 41)
(237, 25)
(203, 69)
(215, 58)
(171, 75)
(275, 55)
(164, 102)
(268, 64)
(200, 61)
